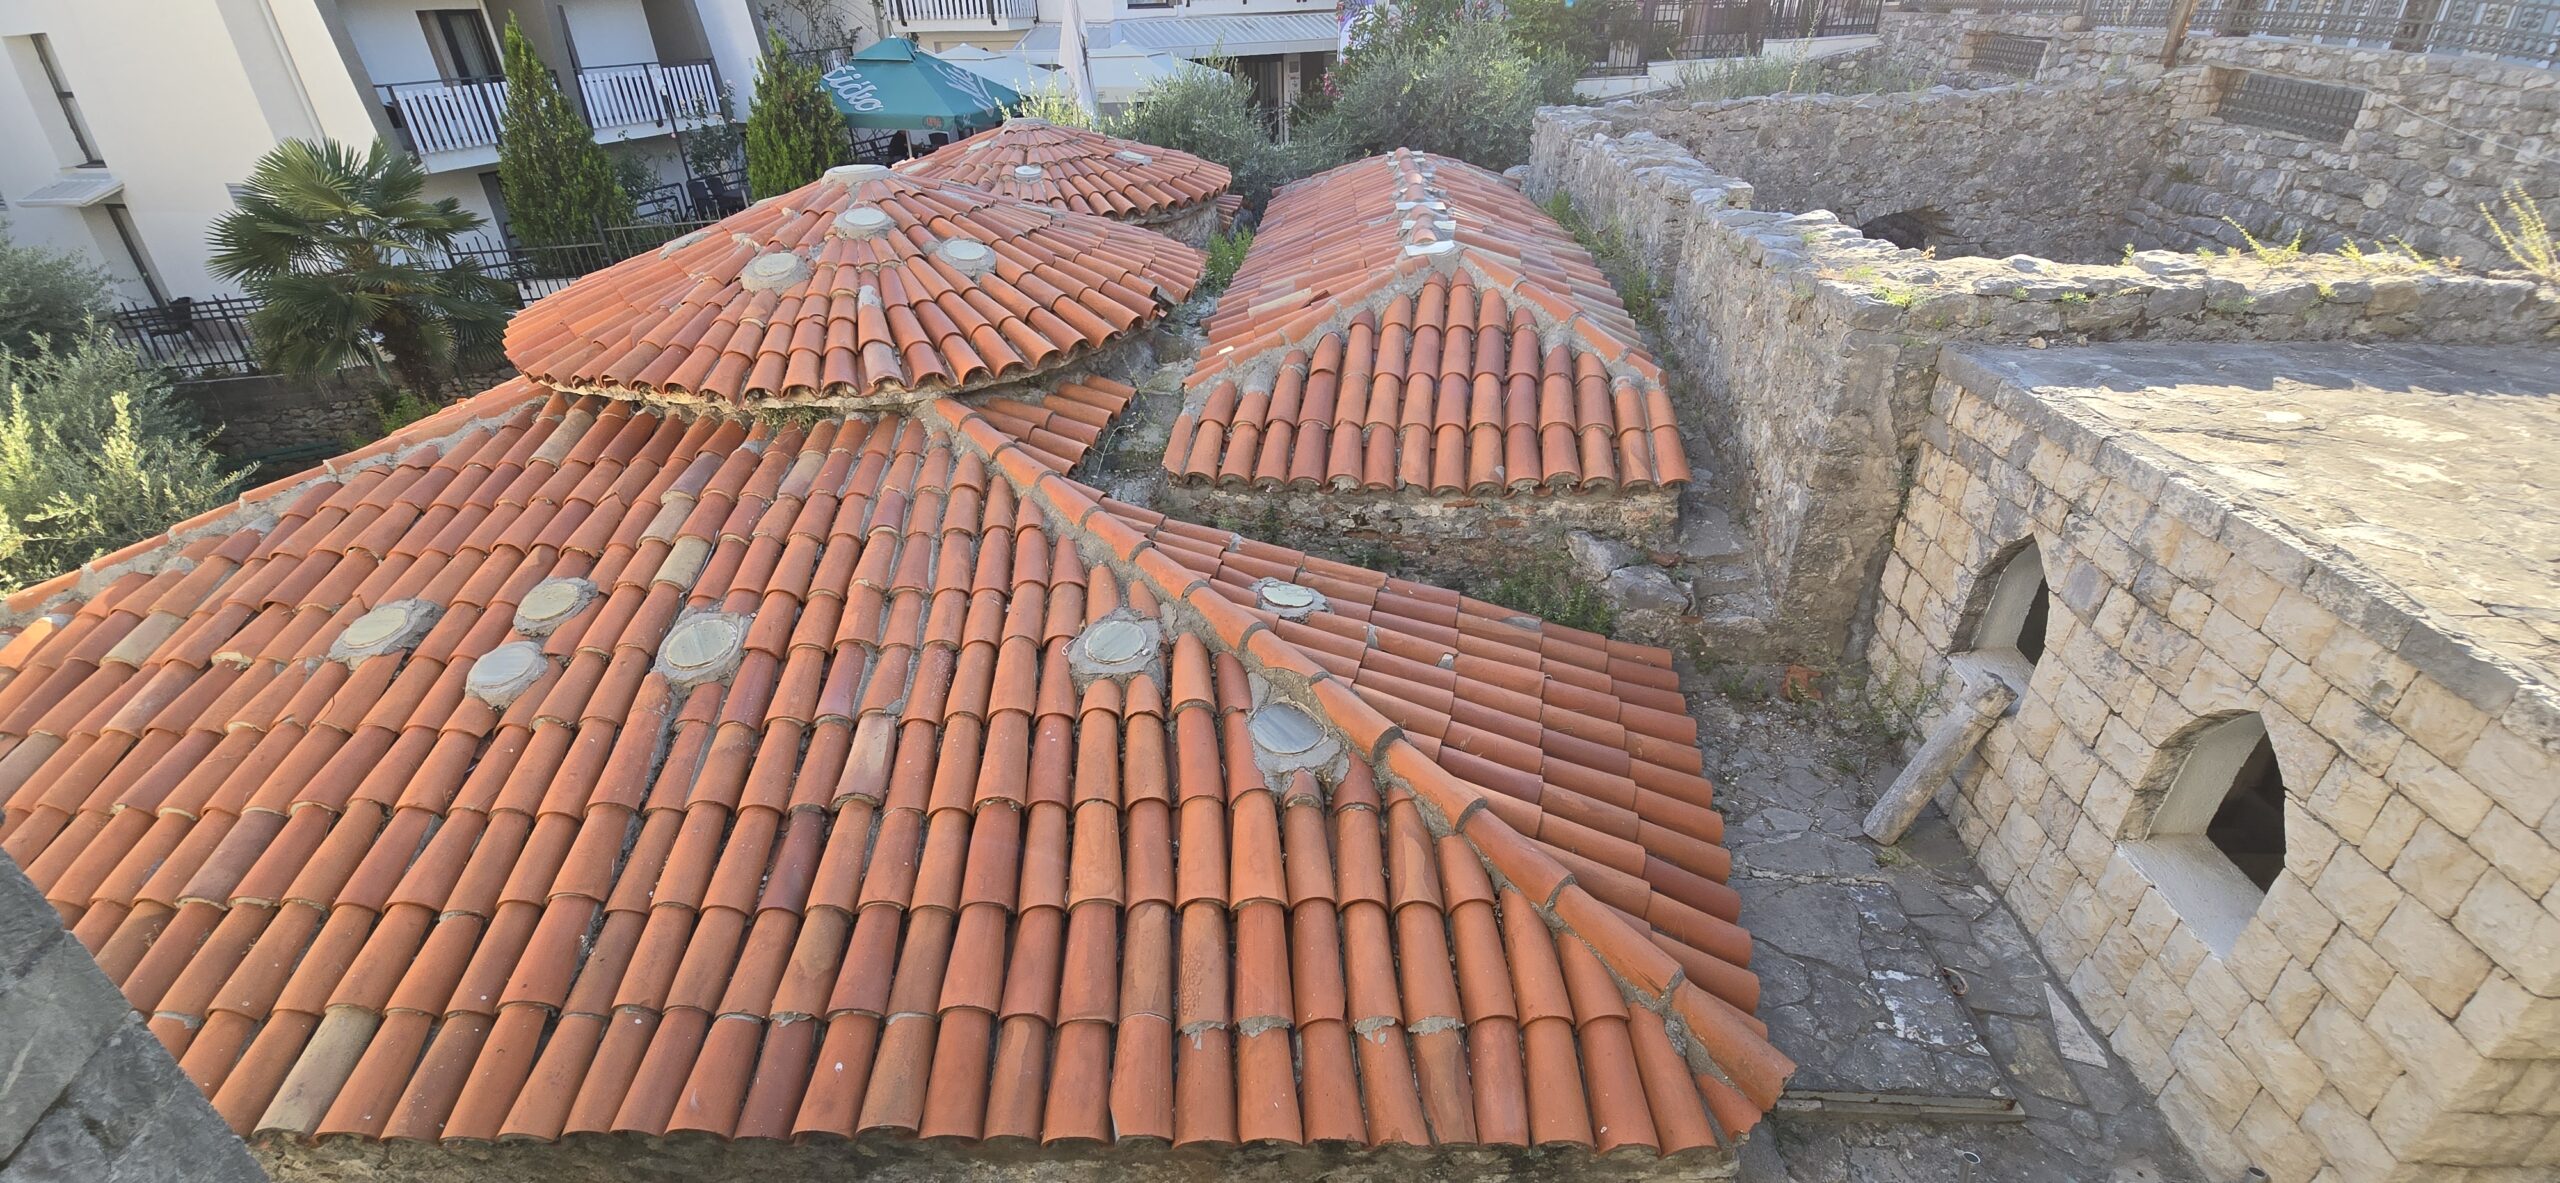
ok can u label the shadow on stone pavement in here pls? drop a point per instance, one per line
(1901, 985)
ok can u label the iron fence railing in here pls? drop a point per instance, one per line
(1681, 30)
(195, 337)
(2522, 31)
(1823, 18)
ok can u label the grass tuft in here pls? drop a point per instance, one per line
(2530, 242)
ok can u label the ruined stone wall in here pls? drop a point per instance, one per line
(2392, 1011)
(86, 1093)
(2438, 135)
(1977, 169)
(1815, 348)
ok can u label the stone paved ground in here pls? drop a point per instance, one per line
(1851, 941)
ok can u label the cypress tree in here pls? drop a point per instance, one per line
(793, 131)
(558, 184)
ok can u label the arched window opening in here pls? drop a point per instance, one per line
(1911, 229)
(2217, 837)
(2014, 617)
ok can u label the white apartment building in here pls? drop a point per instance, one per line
(124, 122)
(1282, 46)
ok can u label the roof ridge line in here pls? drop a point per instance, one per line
(1723, 1045)
(152, 554)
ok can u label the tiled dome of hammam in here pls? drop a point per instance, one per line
(864, 289)
(1075, 169)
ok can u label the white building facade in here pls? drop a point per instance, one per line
(123, 123)
(1282, 46)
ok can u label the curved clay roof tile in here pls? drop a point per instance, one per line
(864, 289)
(1085, 171)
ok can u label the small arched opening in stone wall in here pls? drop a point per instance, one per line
(2215, 838)
(1911, 229)
(2012, 607)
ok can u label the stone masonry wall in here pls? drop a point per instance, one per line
(2438, 135)
(1977, 168)
(2392, 1011)
(1816, 348)
(87, 1095)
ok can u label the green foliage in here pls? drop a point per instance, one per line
(559, 185)
(2531, 242)
(1638, 288)
(1212, 117)
(1467, 88)
(1551, 590)
(399, 408)
(1766, 74)
(95, 452)
(793, 132)
(1226, 253)
(46, 294)
(717, 146)
(350, 264)
(1051, 104)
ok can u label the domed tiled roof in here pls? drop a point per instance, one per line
(1079, 170)
(865, 288)
(1411, 322)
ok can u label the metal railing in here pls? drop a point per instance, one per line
(991, 13)
(659, 94)
(195, 337)
(2522, 31)
(1823, 18)
(1681, 30)
(446, 115)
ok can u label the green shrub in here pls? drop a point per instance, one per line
(350, 264)
(1051, 104)
(1212, 117)
(95, 452)
(1466, 89)
(558, 184)
(793, 132)
(46, 294)
(1226, 254)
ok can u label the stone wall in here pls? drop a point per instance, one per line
(1976, 169)
(86, 1093)
(2392, 1011)
(2438, 135)
(1815, 348)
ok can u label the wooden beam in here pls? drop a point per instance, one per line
(2180, 12)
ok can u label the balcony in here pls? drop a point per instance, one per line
(453, 122)
(648, 98)
(952, 16)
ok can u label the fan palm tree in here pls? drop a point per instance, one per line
(352, 264)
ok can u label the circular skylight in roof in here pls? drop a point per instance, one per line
(388, 628)
(505, 673)
(967, 255)
(702, 649)
(773, 269)
(850, 173)
(375, 627)
(1288, 601)
(1113, 642)
(551, 603)
(862, 221)
(1029, 172)
(1284, 730)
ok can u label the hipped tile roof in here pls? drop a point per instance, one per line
(1075, 169)
(551, 865)
(865, 288)
(1411, 322)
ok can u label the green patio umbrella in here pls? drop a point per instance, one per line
(892, 84)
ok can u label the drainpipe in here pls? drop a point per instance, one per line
(1986, 698)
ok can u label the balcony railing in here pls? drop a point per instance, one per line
(660, 94)
(446, 115)
(993, 14)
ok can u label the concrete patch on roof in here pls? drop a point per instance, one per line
(390, 628)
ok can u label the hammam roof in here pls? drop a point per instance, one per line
(865, 288)
(1075, 169)
(570, 765)
(1411, 322)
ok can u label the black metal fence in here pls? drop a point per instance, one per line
(1652, 31)
(2523, 31)
(194, 337)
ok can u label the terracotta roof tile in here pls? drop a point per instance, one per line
(564, 765)
(1075, 169)
(1411, 322)
(864, 288)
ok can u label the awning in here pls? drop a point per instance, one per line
(891, 84)
(1245, 35)
(79, 192)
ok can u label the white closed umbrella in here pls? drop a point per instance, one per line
(1121, 71)
(1012, 70)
